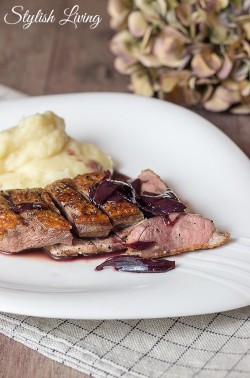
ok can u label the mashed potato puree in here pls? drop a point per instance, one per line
(38, 151)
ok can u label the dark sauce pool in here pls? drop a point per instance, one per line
(34, 253)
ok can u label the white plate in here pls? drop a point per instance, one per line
(198, 160)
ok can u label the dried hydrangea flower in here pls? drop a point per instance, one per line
(190, 52)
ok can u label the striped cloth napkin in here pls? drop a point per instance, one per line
(214, 345)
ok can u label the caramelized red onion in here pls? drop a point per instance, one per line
(135, 264)
(104, 191)
(149, 203)
(161, 206)
(139, 245)
(27, 206)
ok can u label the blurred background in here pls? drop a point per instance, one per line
(48, 58)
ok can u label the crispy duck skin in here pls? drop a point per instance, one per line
(44, 225)
(122, 214)
(85, 218)
(85, 182)
(8, 219)
(12, 227)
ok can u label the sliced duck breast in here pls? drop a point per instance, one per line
(85, 218)
(13, 229)
(186, 232)
(122, 214)
(36, 222)
(151, 182)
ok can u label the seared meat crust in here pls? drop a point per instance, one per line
(33, 228)
(85, 218)
(122, 214)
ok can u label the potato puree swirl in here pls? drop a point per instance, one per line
(38, 151)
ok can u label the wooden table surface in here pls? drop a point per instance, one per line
(49, 58)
